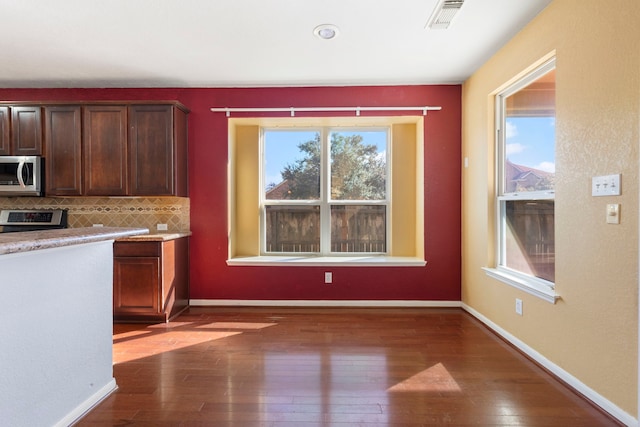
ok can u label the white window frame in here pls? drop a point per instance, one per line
(536, 286)
(326, 202)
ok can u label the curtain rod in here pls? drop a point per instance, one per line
(293, 110)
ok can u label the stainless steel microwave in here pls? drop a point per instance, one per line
(21, 175)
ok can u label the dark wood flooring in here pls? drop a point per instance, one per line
(330, 367)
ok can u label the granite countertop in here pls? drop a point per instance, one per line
(46, 239)
(156, 237)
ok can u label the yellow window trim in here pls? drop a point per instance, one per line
(406, 237)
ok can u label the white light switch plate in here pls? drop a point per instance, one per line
(606, 185)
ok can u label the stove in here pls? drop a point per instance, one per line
(31, 220)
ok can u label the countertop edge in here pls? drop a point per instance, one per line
(156, 237)
(11, 243)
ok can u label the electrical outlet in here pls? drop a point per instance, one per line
(328, 277)
(519, 306)
(97, 225)
(162, 227)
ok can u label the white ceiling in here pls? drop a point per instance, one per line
(229, 43)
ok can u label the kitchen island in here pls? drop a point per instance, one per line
(56, 353)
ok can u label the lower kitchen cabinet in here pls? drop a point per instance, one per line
(150, 279)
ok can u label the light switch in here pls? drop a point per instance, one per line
(606, 185)
(613, 213)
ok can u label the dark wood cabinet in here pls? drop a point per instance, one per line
(5, 142)
(136, 288)
(26, 130)
(157, 150)
(102, 148)
(150, 280)
(104, 143)
(20, 130)
(63, 148)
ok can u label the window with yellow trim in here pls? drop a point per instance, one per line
(326, 187)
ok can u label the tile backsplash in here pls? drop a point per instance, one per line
(144, 212)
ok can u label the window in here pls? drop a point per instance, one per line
(344, 191)
(325, 191)
(525, 116)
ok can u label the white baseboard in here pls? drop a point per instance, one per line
(320, 303)
(88, 404)
(565, 376)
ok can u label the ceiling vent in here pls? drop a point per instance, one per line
(444, 13)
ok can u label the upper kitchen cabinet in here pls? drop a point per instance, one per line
(26, 130)
(102, 148)
(158, 150)
(63, 148)
(5, 142)
(104, 143)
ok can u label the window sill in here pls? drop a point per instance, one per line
(352, 261)
(535, 287)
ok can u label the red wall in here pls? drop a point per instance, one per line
(211, 278)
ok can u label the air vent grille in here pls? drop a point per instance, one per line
(444, 13)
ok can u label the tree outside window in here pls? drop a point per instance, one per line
(325, 191)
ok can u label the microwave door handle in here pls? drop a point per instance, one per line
(20, 177)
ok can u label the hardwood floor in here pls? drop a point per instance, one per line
(330, 367)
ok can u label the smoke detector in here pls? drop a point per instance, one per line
(443, 14)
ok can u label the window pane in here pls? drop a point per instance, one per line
(292, 228)
(358, 229)
(292, 165)
(359, 165)
(530, 137)
(529, 235)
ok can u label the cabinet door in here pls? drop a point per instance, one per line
(26, 131)
(175, 264)
(5, 142)
(181, 154)
(63, 153)
(105, 150)
(136, 284)
(151, 150)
